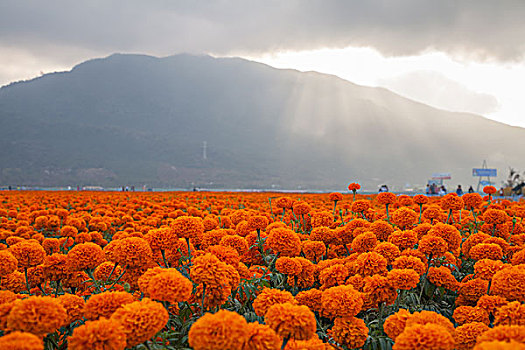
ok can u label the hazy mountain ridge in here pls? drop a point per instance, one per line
(134, 119)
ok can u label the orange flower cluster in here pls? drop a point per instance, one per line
(180, 270)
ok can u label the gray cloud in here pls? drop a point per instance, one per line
(435, 89)
(479, 29)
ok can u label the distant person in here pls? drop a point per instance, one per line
(383, 188)
(428, 190)
(459, 191)
(442, 191)
(470, 190)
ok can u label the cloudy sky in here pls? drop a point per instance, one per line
(463, 55)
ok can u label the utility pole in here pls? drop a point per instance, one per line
(204, 147)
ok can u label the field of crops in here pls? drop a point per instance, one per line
(205, 271)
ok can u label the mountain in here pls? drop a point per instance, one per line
(232, 123)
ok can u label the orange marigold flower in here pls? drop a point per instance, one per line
(141, 320)
(85, 256)
(324, 234)
(291, 321)
(364, 242)
(188, 227)
(269, 297)
(333, 276)
(403, 278)
(55, 267)
(425, 337)
(15, 282)
(68, 231)
(8, 263)
(489, 189)
(422, 318)
(222, 330)
(284, 241)
(472, 290)
(28, 253)
(385, 198)
(322, 218)
(433, 212)
(21, 341)
(388, 250)
(74, 306)
(335, 196)
(511, 314)
(486, 268)
(466, 334)
(381, 229)
(451, 201)
(37, 315)
(471, 241)
(209, 270)
(360, 206)
(504, 333)
(257, 222)
(313, 250)
(376, 290)
(105, 304)
(341, 301)
(409, 262)
(432, 245)
(442, 277)
(447, 232)
(499, 345)
(422, 229)
(301, 208)
(100, 334)
(261, 337)
(420, 199)
(288, 266)
(161, 238)
(494, 216)
(107, 269)
(395, 324)
(472, 200)
(403, 239)
(170, 285)
(284, 202)
(491, 303)
(354, 186)
(131, 252)
(404, 217)
(368, 264)
(486, 251)
(310, 298)
(467, 314)
(236, 242)
(349, 331)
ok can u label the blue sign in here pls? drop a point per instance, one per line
(484, 172)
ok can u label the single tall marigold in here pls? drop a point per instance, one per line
(8, 263)
(28, 253)
(371, 263)
(511, 314)
(170, 285)
(510, 283)
(467, 314)
(141, 320)
(222, 330)
(188, 227)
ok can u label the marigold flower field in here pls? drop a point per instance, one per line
(204, 270)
